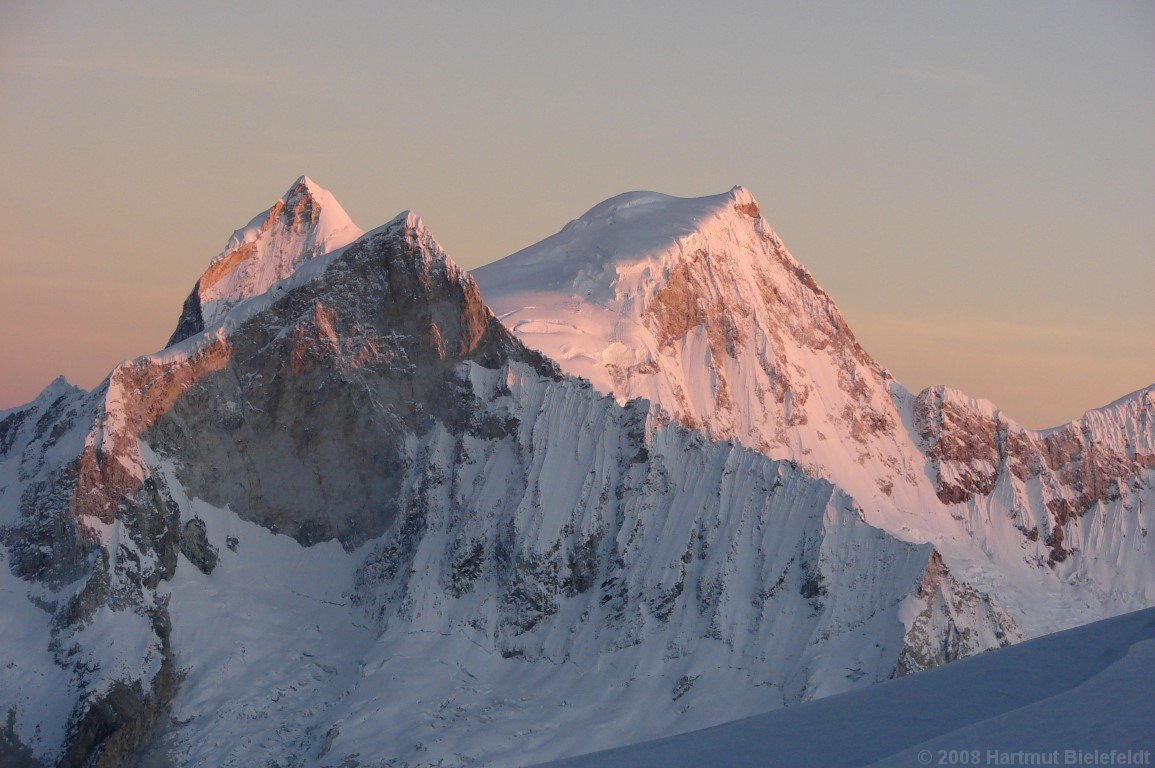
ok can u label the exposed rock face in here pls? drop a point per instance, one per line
(1086, 465)
(953, 621)
(191, 321)
(120, 722)
(696, 305)
(194, 545)
(84, 560)
(110, 469)
(304, 430)
(450, 497)
(553, 531)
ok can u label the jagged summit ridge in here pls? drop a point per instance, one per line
(305, 201)
(423, 246)
(359, 466)
(306, 222)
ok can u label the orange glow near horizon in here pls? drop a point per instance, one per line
(977, 199)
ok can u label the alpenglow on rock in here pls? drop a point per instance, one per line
(305, 223)
(350, 517)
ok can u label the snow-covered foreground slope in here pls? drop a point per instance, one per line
(695, 305)
(1085, 690)
(354, 521)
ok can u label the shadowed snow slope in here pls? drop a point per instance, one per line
(1086, 689)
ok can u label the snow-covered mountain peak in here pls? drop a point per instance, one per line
(60, 385)
(307, 185)
(362, 464)
(635, 294)
(628, 243)
(305, 223)
(305, 207)
(698, 307)
(361, 473)
(1137, 407)
(658, 206)
(624, 244)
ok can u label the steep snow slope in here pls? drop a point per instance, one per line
(503, 631)
(695, 305)
(83, 644)
(1086, 689)
(357, 518)
(41, 552)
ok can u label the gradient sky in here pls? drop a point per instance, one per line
(974, 183)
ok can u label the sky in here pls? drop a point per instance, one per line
(973, 183)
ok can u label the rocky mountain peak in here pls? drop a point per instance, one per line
(305, 208)
(418, 246)
(306, 222)
(58, 386)
(305, 187)
(370, 338)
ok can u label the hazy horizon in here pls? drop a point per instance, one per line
(974, 186)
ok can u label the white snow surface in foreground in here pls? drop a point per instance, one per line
(1086, 689)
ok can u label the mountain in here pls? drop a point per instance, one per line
(1083, 694)
(346, 517)
(307, 222)
(698, 307)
